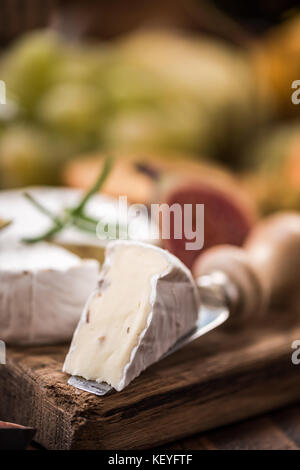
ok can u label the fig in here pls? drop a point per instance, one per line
(228, 219)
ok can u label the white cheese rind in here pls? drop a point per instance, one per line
(173, 311)
(42, 304)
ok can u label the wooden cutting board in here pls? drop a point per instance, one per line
(220, 378)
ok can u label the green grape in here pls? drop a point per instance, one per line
(83, 64)
(71, 108)
(28, 67)
(206, 73)
(26, 157)
(172, 128)
(150, 91)
(131, 86)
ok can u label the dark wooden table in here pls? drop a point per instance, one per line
(279, 430)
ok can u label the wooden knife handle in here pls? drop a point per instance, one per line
(266, 270)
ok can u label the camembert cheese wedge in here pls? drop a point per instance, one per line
(146, 300)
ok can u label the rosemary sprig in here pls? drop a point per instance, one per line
(72, 216)
(46, 236)
(43, 209)
(95, 188)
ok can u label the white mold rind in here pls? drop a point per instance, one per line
(42, 306)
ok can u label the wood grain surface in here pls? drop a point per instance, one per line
(279, 430)
(220, 378)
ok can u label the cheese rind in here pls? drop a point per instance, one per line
(146, 301)
(43, 289)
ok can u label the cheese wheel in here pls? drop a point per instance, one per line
(43, 289)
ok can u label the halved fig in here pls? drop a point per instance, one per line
(227, 218)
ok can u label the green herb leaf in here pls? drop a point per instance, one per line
(71, 216)
(45, 236)
(43, 209)
(95, 188)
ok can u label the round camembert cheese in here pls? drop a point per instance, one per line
(43, 289)
(28, 221)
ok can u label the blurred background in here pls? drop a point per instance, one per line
(177, 91)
